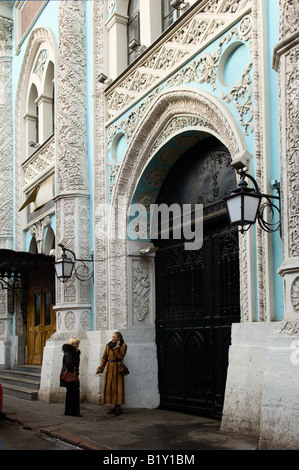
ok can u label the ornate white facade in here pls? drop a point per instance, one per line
(106, 143)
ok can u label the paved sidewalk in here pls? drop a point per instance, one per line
(135, 429)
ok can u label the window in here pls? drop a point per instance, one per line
(133, 30)
(169, 14)
(39, 115)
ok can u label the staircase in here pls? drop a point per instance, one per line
(22, 381)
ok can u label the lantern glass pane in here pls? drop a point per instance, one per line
(58, 268)
(251, 204)
(234, 208)
(68, 267)
(64, 268)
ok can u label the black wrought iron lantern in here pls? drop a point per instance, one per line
(245, 206)
(64, 267)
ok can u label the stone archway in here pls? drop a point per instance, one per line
(202, 113)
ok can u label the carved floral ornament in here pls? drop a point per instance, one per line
(175, 51)
(295, 294)
(289, 14)
(5, 36)
(203, 69)
(141, 291)
(209, 115)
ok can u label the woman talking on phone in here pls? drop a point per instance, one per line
(113, 391)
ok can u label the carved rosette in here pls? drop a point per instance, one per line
(72, 323)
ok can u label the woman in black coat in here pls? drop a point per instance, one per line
(71, 360)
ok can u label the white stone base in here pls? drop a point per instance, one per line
(279, 428)
(12, 351)
(5, 353)
(50, 390)
(141, 385)
(261, 397)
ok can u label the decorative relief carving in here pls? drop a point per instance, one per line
(155, 177)
(38, 230)
(85, 320)
(59, 320)
(289, 16)
(114, 168)
(295, 294)
(39, 67)
(243, 92)
(72, 137)
(42, 161)
(161, 113)
(201, 70)
(287, 328)
(70, 321)
(128, 125)
(6, 133)
(177, 124)
(99, 169)
(5, 37)
(207, 22)
(141, 291)
(292, 153)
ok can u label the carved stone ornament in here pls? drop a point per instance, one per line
(141, 291)
(163, 110)
(295, 294)
(289, 14)
(70, 321)
(72, 135)
(6, 132)
(208, 22)
(287, 328)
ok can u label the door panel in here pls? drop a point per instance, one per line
(196, 305)
(40, 321)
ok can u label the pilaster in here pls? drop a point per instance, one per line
(6, 172)
(72, 201)
(285, 62)
(6, 141)
(73, 308)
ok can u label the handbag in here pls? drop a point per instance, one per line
(122, 369)
(69, 377)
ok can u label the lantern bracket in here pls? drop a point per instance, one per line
(79, 267)
(267, 209)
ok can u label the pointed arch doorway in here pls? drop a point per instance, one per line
(197, 292)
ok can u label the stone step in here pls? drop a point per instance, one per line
(20, 392)
(28, 368)
(22, 381)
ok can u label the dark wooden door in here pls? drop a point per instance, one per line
(197, 292)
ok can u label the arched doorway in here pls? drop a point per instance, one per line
(197, 292)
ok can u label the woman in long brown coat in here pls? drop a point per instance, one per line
(113, 392)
